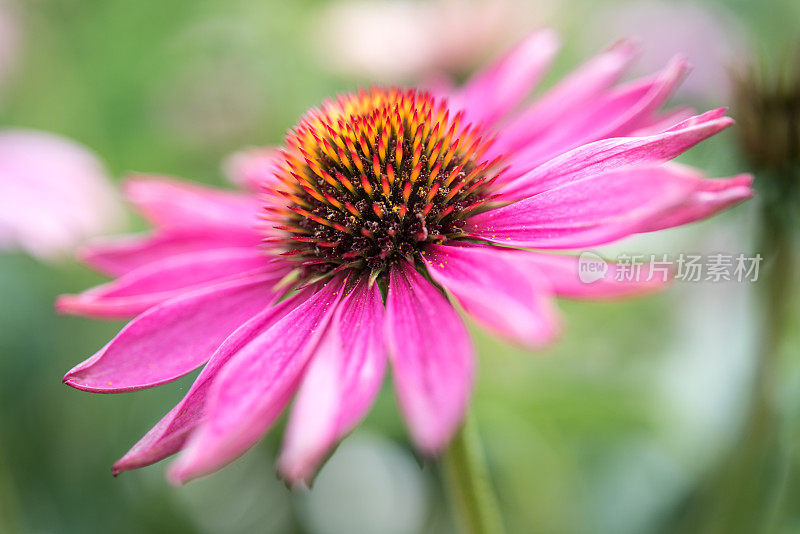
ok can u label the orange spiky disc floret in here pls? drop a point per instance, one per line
(373, 176)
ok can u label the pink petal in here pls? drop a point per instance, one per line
(169, 202)
(561, 272)
(568, 96)
(170, 434)
(664, 121)
(492, 93)
(587, 212)
(143, 288)
(494, 289)
(709, 197)
(254, 387)
(432, 358)
(121, 255)
(254, 169)
(609, 154)
(173, 338)
(636, 103)
(339, 386)
(54, 193)
(620, 112)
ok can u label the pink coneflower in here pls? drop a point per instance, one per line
(54, 194)
(380, 205)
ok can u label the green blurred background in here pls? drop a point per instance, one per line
(628, 425)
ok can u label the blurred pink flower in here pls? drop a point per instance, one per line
(709, 36)
(390, 40)
(54, 193)
(395, 192)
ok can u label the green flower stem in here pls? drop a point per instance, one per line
(467, 483)
(749, 488)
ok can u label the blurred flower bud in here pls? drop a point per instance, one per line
(767, 108)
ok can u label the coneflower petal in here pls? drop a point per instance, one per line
(340, 385)
(143, 288)
(173, 338)
(120, 255)
(584, 85)
(665, 120)
(170, 434)
(255, 386)
(608, 154)
(588, 212)
(432, 358)
(495, 91)
(617, 113)
(492, 288)
(168, 202)
(562, 274)
(710, 196)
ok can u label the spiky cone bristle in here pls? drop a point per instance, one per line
(371, 177)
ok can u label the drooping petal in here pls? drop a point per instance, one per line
(143, 288)
(600, 209)
(570, 95)
(494, 289)
(493, 92)
(121, 255)
(618, 113)
(339, 386)
(564, 277)
(634, 104)
(588, 212)
(170, 434)
(253, 388)
(173, 338)
(609, 154)
(710, 196)
(665, 120)
(168, 202)
(432, 358)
